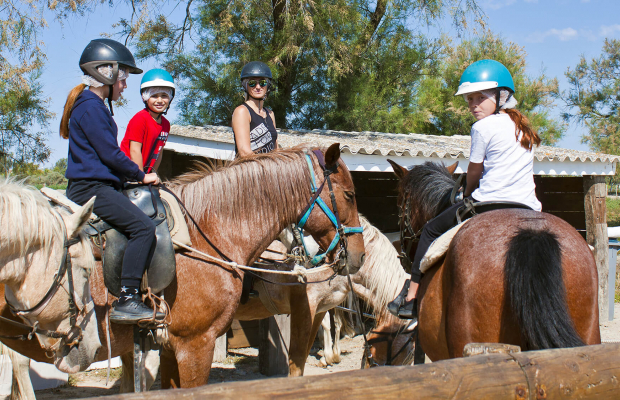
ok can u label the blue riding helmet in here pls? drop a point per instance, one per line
(483, 75)
(157, 78)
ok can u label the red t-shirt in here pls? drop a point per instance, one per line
(144, 129)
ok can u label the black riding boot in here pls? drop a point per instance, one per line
(402, 308)
(129, 309)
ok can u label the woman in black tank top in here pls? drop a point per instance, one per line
(253, 125)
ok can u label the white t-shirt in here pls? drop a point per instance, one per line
(508, 168)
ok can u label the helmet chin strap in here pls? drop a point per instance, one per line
(110, 99)
(497, 106)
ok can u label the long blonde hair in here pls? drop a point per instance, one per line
(66, 113)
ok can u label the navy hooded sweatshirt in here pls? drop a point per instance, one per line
(93, 148)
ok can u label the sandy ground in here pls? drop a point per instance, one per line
(242, 365)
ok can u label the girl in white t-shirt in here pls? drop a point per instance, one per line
(500, 162)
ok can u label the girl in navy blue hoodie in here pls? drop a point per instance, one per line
(97, 167)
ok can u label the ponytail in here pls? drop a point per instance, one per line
(66, 114)
(529, 137)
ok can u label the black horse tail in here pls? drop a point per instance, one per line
(535, 291)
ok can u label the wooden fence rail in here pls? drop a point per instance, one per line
(591, 372)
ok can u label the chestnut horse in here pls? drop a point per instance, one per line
(509, 276)
(241, 208)
(45, 264)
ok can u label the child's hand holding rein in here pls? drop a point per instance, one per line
(151, 178)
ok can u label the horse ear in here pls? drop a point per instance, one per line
(332, 155)
(452, 167)
(77, 220)
(399, 171)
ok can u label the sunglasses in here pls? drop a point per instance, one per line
(261, 83)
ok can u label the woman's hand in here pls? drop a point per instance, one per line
(151, 178)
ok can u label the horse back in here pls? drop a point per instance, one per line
(467, 289)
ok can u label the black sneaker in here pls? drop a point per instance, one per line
(402, 308)
(131, 311)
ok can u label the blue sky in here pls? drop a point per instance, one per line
(554, 33)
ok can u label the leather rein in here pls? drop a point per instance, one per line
(74, 335)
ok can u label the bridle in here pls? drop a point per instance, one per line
(407, 235)
(73, 335)
(389, 337)
(341, 230)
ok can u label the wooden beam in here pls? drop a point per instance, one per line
(589, 372)
(221, 350)
(596, 234)
(275, 338)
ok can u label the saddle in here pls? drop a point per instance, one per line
(439, 247)
(160, 207)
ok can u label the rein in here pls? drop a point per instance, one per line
(74, 334)
(407, 236)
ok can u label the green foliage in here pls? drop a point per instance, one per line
(439, 112)
(593, 98)
(54, 178)
(21, 110)
(613, 212)
(338, 64)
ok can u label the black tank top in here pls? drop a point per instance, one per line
(263, 133)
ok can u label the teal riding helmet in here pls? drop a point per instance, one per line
(157, 78)
(483, 75)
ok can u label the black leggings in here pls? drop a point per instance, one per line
(116, 209)
(432, 230)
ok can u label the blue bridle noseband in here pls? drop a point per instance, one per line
(341, 230)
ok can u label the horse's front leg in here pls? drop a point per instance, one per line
(169, 370)
(301, 326)
(328, 352)
(194, 356)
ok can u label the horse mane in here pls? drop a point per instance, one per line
(427, 187)
(27, 221)
(384, 274)
(212, 189)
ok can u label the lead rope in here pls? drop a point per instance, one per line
(356, 304)
(107, 335)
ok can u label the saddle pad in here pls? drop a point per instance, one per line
(439, 247)
(178, 228)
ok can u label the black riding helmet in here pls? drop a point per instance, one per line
(256, 69)
(107, 51)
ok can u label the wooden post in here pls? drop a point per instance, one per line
(596, 234)
(275, 339)
(221, 350)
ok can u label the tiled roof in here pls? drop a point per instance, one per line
(386, 144)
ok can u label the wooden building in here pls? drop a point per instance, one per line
(569, 183)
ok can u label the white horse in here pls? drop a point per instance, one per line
(35, 244)
(377, 283)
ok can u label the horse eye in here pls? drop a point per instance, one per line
(349, 195)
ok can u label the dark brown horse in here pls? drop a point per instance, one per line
(241, 208)
(510, 276)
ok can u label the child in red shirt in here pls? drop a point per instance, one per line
(147, 132)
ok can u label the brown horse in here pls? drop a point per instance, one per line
(509, 276)
(241, 208)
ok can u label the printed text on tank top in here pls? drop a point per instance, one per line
(262, 132)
